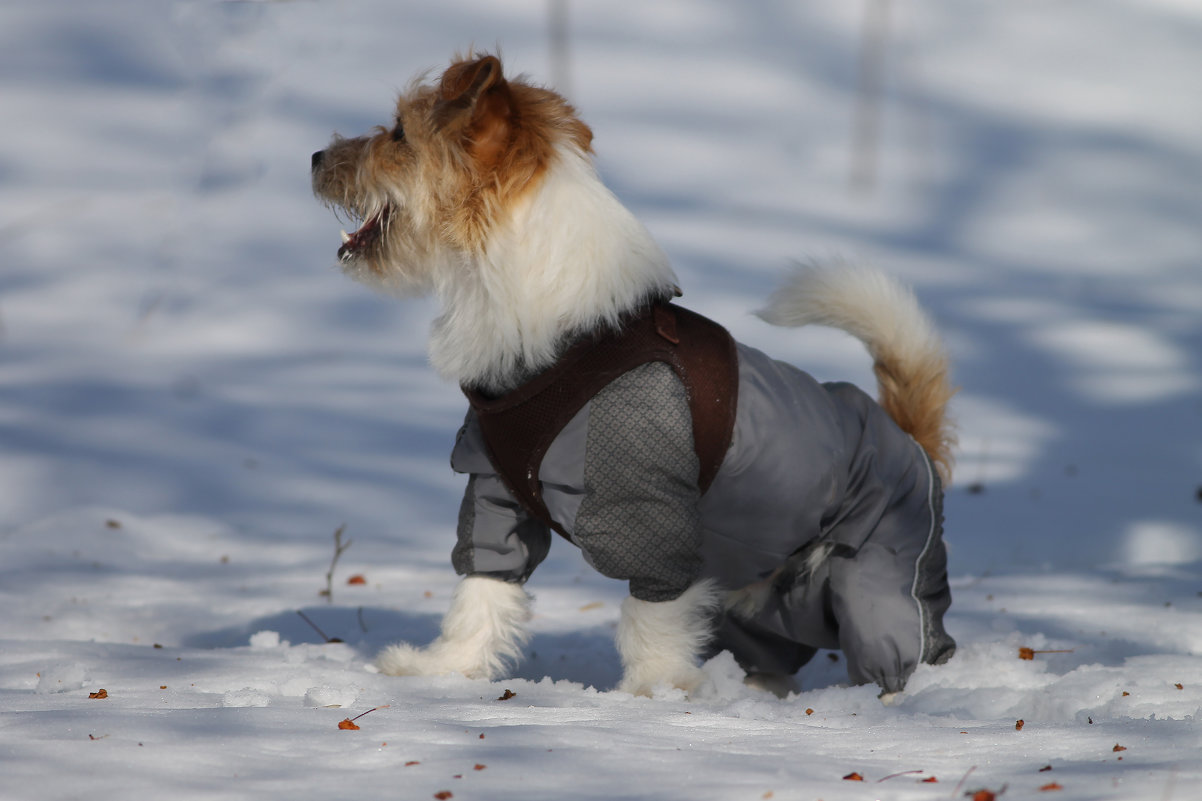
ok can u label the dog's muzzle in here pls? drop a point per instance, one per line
(318, 158)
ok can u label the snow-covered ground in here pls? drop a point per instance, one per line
(193, 399)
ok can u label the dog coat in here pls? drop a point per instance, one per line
(807, 464)
(519, 426)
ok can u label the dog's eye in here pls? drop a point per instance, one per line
(398, 133)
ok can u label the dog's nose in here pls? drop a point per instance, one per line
(317, 159)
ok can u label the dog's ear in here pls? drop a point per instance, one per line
(474, 101)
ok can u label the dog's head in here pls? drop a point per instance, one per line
(429, 189)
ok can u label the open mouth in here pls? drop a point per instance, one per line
(366, 237)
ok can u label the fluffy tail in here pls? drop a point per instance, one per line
(910, 363)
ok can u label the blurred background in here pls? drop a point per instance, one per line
(175, 337)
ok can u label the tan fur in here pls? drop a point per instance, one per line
(470, 145)
(464, 150)
(909, 359)
(916, 396)
(483, 192)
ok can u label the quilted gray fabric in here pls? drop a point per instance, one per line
(639, 518)
(808, 463)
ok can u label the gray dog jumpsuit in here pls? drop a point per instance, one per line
(808, 464)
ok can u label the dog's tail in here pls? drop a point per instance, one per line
(910, 363)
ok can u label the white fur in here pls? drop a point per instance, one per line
(660, 642)
(779, 684)
(569, 258)
(863, 301)
(482, 633)
(747, 602)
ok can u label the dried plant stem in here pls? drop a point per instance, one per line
(339, 547)
(373, 709)
(557, 27)
(866, 133)
(316, 628)
(956, 792)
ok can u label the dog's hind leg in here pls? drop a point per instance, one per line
(482, 634)
(660, 641)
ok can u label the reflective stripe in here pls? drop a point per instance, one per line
(923, 615)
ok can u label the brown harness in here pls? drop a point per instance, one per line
(520, 426)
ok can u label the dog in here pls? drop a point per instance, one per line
(750, 508)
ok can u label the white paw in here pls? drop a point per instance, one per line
(645, 683)
(404, 659)
(482, 634)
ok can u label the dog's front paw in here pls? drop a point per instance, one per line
(437, 659)
(482, 634)
(404, 659)
(659, 641)
(645, 682)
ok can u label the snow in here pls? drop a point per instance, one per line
(192, 399)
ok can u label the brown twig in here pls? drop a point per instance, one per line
(306, 618)
(866, 132)
(373, 709)
(557, 28)
(339, 548)
(362, 625)
(1029, 653)
(956, 792)
(348, 724)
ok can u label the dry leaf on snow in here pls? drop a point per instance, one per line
(1029, 653)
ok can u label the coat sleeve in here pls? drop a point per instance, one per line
(496, 537)
(639, 519)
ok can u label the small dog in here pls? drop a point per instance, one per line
(751, 508)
